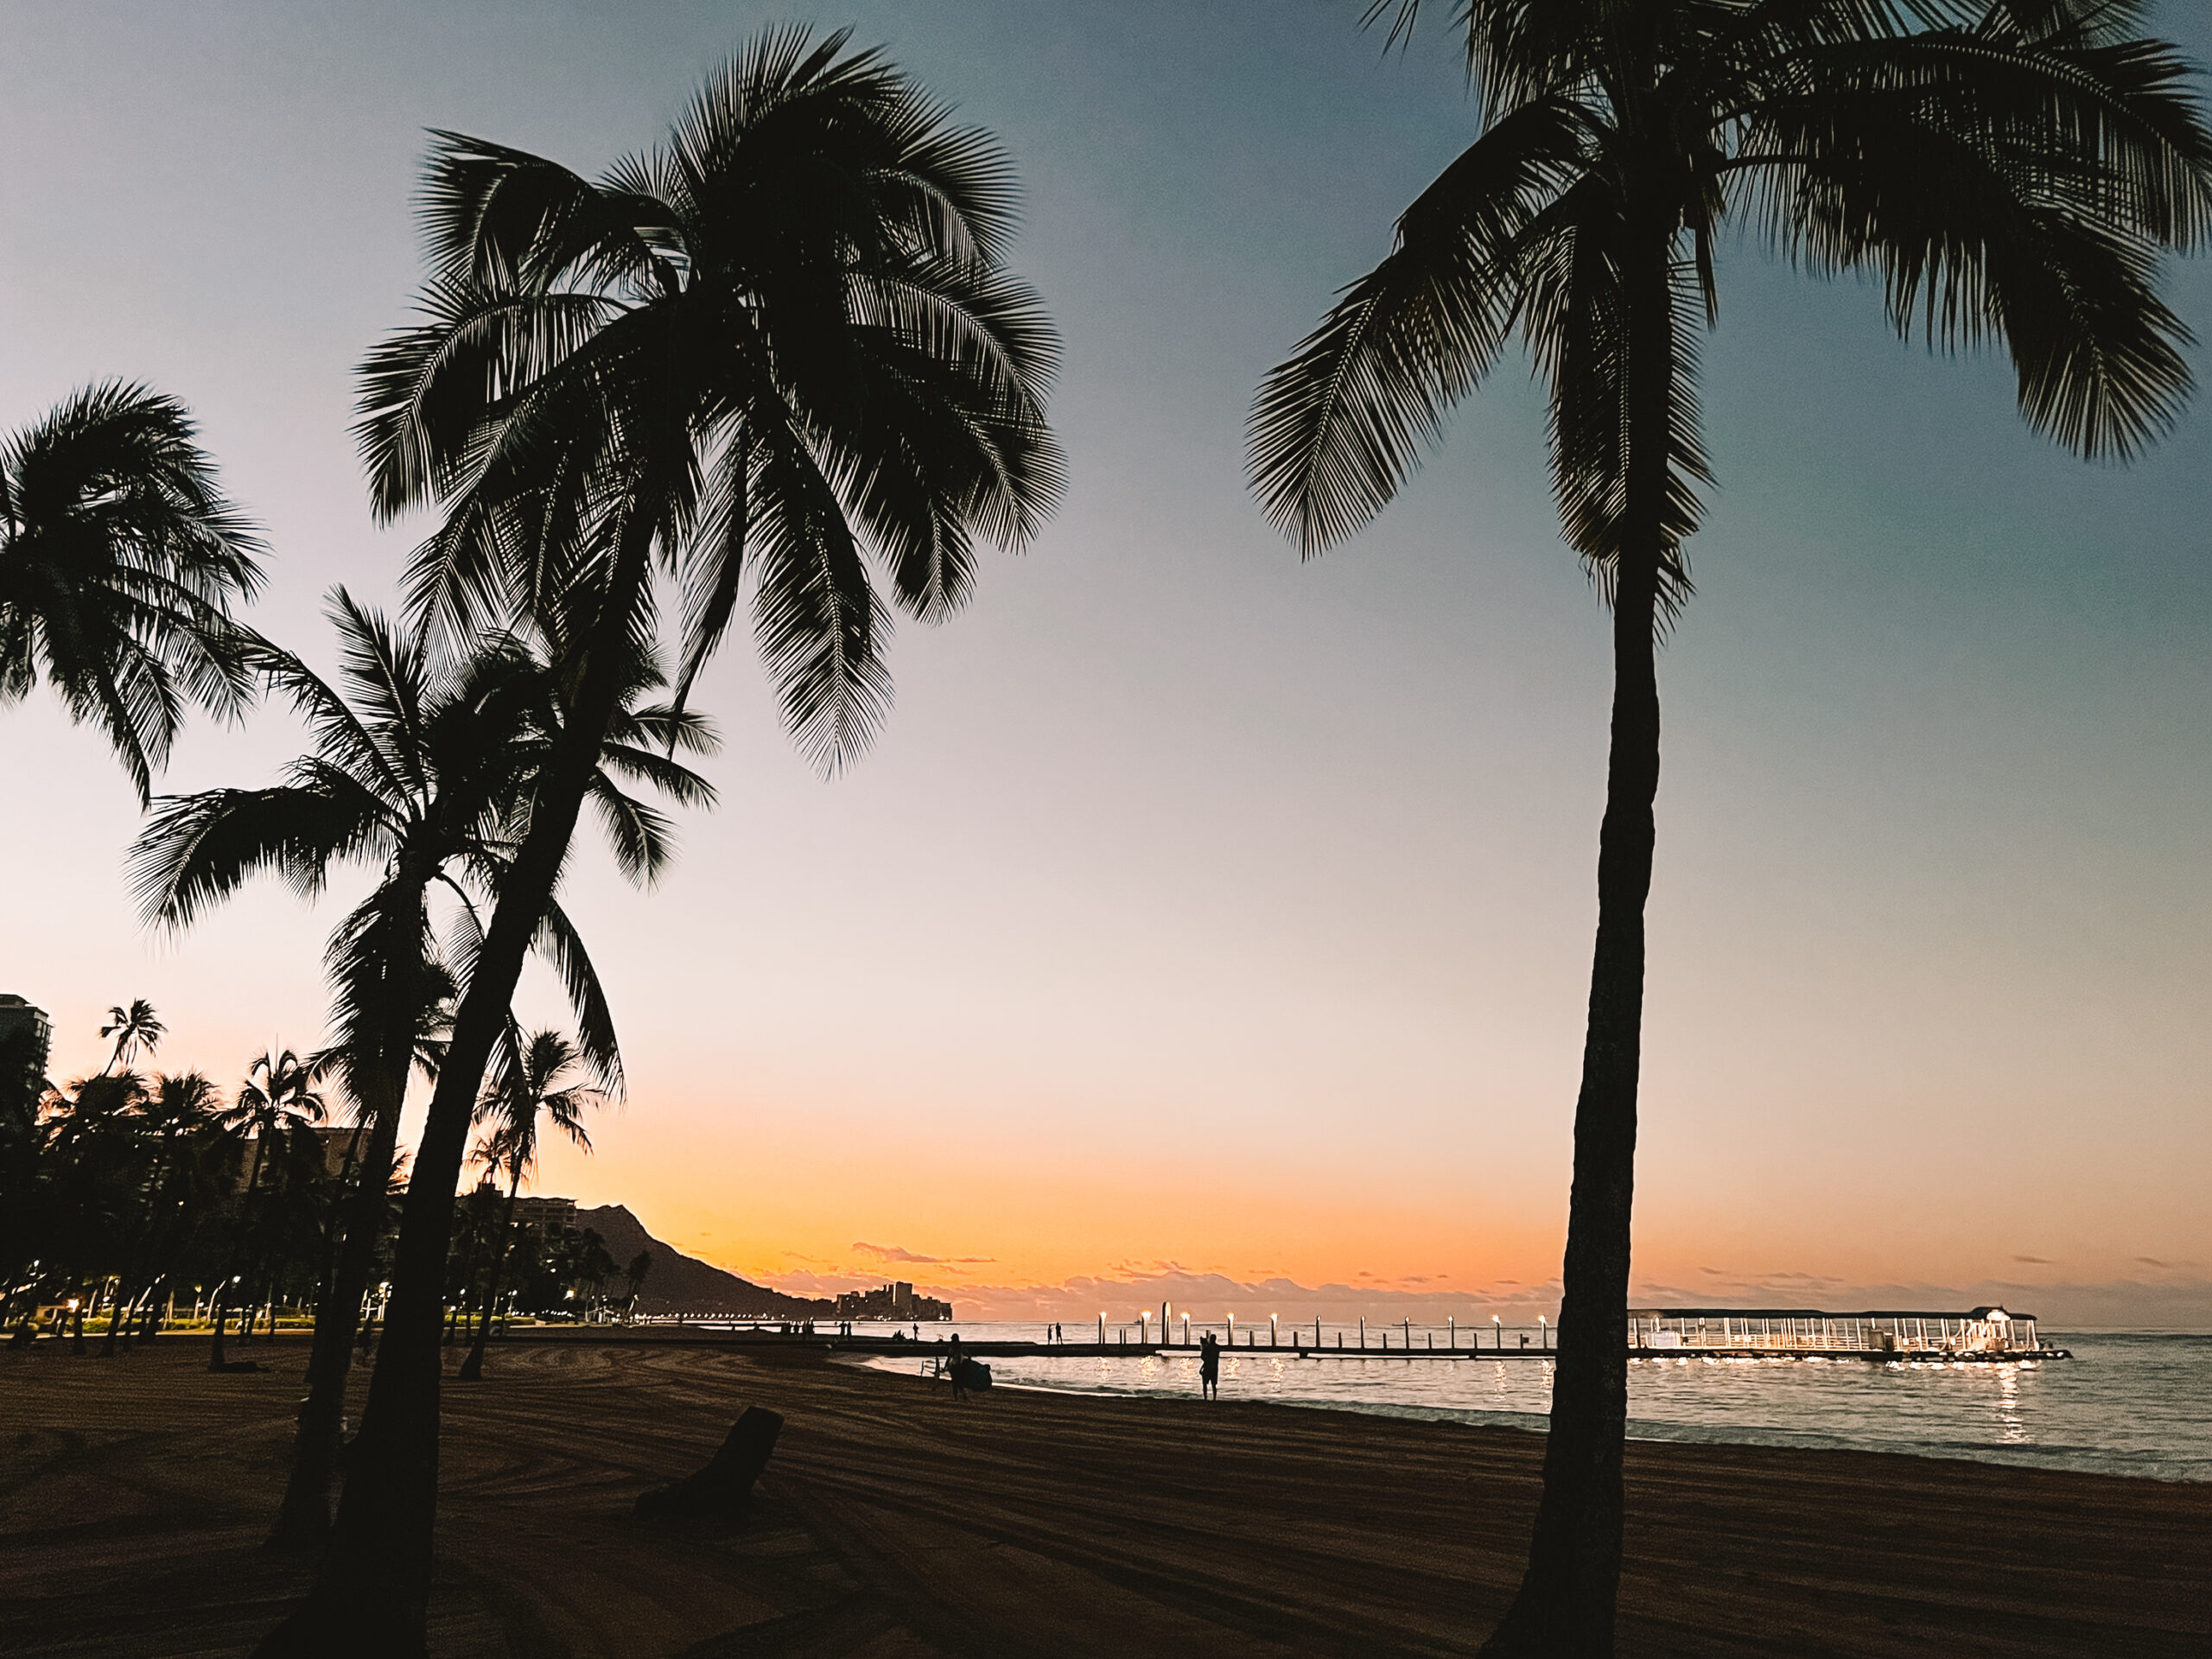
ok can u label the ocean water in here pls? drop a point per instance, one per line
(2127, 1403)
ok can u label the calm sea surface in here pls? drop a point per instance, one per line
(2127, 1403)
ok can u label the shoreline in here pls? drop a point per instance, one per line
(134, 1493)
(2165, 1464)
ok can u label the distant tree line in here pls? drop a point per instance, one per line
(130, 1200)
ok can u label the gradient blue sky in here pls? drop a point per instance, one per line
(1197, 910)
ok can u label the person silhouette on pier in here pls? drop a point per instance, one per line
(1209, 1368)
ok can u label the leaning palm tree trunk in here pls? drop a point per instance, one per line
(373, 1594)
(472, 1369)
(304, 1521)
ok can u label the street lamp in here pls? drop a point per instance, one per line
(1500, 1330)
(1543, 1332)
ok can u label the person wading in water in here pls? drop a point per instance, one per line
(1209, 1368)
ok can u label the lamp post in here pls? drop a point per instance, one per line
(1499, 1325)
(1101, 1327)
(1543, 1332)
(1275, 1332)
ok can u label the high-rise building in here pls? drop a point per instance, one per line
(18, 1018)
(894, 1302)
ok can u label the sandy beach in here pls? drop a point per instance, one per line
(134, 1493)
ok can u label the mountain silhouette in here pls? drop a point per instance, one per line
(684, 1284)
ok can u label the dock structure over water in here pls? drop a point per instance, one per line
(1760, 1332)
(1985, 1336)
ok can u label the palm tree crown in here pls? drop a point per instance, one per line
(785, 336)
(280, 1094)
(119, 561)
(528, 1087)
(425, 772)
(2011, 170)
(137, 1028)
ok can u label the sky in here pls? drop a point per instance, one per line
(1202, 923)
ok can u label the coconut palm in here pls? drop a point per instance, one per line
(119, 561)
(178, 1108)
(2012, 170)
(135, 1029)
(281, 1095)
(425, 773)
(529, 1087)
(781, 346)
(91, 1180)
(281, 1092)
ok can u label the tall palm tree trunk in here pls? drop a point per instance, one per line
(303, 1520)
(215, 1360)
(1565, 1607)
(141, 1237)
(371, 1596)
(472, 1369)
(460, 1316)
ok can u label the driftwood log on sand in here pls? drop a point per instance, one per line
(720, 1489)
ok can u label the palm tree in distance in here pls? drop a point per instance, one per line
(425, 773)
(119, 561)
(281, 1092)
(529, 1088)
(2013, 170)
(135, 1030)
(279, 1096)
(177, 1107)
(782, 345)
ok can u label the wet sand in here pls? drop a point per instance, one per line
(894, 1524)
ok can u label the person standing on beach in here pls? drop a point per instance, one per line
(957, 1364)
(1209, 1368)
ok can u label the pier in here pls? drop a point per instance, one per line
(930, 1347)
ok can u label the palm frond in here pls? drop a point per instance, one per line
(1334, 430)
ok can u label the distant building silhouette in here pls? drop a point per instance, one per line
(545, 1214)
(340, 1144)
(540, 1215)
(893, 1302)
(19, 1019)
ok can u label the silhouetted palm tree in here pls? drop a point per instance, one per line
(783, 344)
(529, 1087)
(426, 773)
(280, 1094)
(2012, 171)
(119, 560)
(178, 1108)
(135, 1029)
